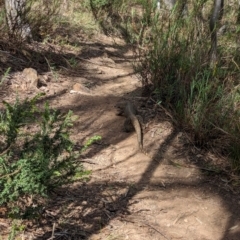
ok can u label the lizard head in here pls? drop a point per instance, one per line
(120, 108)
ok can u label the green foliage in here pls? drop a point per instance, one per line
(113, 16)
(15, 229)
(4, 76)
(42, 16)
(90, 142)
(129, 20)
(101, 3)
(35, 159)
(173, 57)
(16, 115)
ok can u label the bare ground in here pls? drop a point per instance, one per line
(174, 193)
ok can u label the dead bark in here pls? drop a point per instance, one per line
(16, 13)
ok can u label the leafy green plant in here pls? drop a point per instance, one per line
(36, 154)
(90, 142)
(173, 57)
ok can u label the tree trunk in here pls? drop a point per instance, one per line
(215, 18)
(16, 12)
(238, 16)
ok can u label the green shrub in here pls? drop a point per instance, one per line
(36, 154)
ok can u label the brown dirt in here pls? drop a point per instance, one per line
(175, 194)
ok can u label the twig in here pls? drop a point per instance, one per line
(146, 224)
(48, 64)
(4, 151)
(13, 56)
(196, 167)
(156, 230)
(165, 110)
(88, 160)
(10, 174)
(53, 231)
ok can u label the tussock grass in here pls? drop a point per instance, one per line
(174, 59)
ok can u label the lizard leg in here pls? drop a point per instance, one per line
(128, 126)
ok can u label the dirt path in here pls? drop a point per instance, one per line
(172, 195)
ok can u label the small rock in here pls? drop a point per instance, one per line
(42, 80)
(31, 77)
(80, 88)
(52, 92)
(97, 219)
(100, 72)
(44, 88)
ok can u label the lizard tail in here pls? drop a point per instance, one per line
(138, 129)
